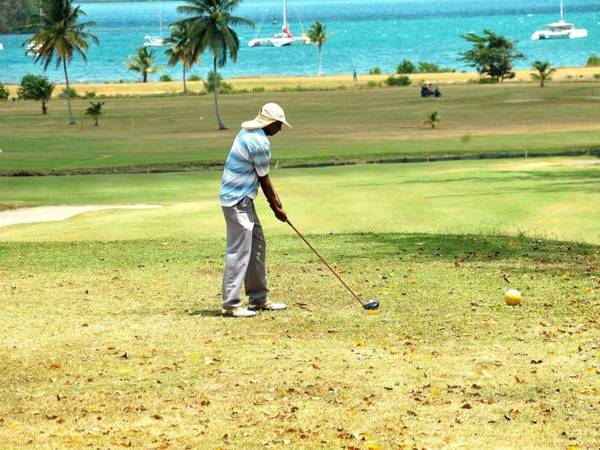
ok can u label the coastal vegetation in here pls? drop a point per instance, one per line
(492, 55)
(407, 67)
(593, 61)
(318, 35)
(543, 71)
(18, 15)
(61, 35)
(4, 93)
(142, 62)
(36, 88)
(180, 50)
(210, 29)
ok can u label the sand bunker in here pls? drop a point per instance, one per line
(55, 213)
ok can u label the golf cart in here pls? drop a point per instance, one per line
(430, 90)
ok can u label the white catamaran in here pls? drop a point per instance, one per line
(282, 39)
(560, 30)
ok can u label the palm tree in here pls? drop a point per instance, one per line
(433, 119)
(210, 29)
(95, 111)
(180, 49)
(143, 62)
(60, 36)
(318, 36)
(543, 71)
(36, 88)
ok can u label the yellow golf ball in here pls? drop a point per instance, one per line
(513, 297)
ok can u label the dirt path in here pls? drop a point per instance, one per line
(55, 213)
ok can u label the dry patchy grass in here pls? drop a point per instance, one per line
(120, 344)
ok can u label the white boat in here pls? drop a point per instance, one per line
(560, 30)
(156, 41)
(283, 39)
(1, 46)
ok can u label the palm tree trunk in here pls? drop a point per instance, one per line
(144, 77)
(184, 85)
(71, 120)
(216, 96)
(320, 61)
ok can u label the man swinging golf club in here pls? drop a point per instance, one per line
(246, 167)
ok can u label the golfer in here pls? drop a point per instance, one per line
(246, 167)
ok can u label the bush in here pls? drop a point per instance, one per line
(216, 80)
(89, 94)
(402, 80)
(3, 92)
(165, 78)
(375, 71)
(71, 93)
(406, 66)
(427, 67)
(195, 77)
(596, 76)
(373, 84)
(593, 61)
(258, 89)
(488, 80)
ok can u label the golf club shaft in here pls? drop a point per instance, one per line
(324, 262)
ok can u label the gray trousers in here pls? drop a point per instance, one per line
(245, 258)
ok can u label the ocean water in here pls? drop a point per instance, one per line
(363, 35)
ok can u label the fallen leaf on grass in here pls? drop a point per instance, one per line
(56, 366)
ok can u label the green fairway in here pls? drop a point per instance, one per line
(551, 198)
(330, 125)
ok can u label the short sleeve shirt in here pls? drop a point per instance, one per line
(248, 159)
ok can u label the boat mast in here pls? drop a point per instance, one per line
(285, 23)
(561, 10)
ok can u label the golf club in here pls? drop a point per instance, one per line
(371, 304)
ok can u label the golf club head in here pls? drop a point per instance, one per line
(371, 304)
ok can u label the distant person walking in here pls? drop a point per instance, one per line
(354, 75)
(246, 167)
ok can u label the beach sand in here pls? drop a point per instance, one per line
(564, 74)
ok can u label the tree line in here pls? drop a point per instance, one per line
(16, 15)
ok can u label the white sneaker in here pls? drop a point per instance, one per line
(268, 306)
(237, 312)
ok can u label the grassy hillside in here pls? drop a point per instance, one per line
(332, 125)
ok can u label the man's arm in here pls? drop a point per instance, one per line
(272, 197)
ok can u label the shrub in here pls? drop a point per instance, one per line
(195, 77)
(89, 94)
(258, 89)
(3, 92)
(36, 88)
(402, 80)
(373, 84)
(375, 71)
(406, 66)
(427, 67)
(216, 80)
(593, 61)
(165, 78)
(596, 76)
(71, 93)
(488, 80)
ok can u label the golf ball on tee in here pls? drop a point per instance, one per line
(513, 297)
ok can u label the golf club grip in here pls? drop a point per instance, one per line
(323, 259)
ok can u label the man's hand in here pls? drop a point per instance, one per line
(280, 214)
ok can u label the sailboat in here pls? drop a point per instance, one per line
(1, 46)
(283, 39)
(33, 47)
(560, 30)
(156, 41)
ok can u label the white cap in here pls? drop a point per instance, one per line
(269, 113)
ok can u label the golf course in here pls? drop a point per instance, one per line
(111, 326)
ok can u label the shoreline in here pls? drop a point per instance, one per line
(328, 82)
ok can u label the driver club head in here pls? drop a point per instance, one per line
(371, 304)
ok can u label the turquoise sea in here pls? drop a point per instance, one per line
(363, 34)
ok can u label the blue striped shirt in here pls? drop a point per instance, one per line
(248, 159)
